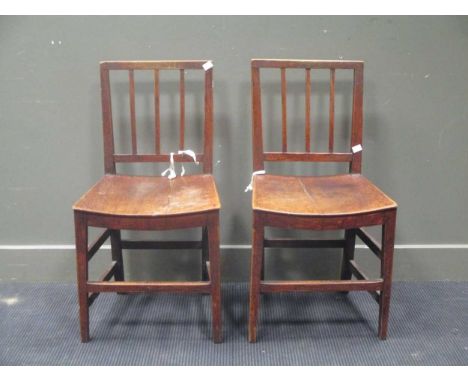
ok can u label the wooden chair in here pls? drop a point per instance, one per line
(122, 202)
(340, 202)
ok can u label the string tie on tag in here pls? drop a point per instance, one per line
(171, 169)
(249, 187)
(191, 154)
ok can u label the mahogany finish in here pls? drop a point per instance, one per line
(339, 202)
(336, 195)
(150, 196)
(120, 202)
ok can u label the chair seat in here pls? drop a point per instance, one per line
(336, 195)
(124, 195)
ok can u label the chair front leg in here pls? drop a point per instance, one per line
(116, 246)
(388, 242)
(255, 275)
(215, 277)
(81, 242)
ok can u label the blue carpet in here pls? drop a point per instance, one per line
(428, 326)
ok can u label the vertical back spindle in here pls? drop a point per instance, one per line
(331, 133)
(283, 106)
(157, 117)
(307, 106)
(131, 79)
(182, 109)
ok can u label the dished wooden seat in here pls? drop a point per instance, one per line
(336, 195)
(124, 195)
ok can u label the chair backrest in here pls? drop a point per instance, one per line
(110, 157)
(259, 156)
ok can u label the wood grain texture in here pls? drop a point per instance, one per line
(123, 195)
(335, 195)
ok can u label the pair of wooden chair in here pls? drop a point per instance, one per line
(342, 202)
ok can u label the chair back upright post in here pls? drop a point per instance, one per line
(260, 156)
(110, 157)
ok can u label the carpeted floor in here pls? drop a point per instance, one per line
(428, 326)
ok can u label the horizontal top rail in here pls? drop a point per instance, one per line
(151, 65)
(306, 64)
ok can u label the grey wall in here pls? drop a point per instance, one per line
(415, 135)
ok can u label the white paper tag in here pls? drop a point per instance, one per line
(356, 149)
(249, 187)
(207, 65)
